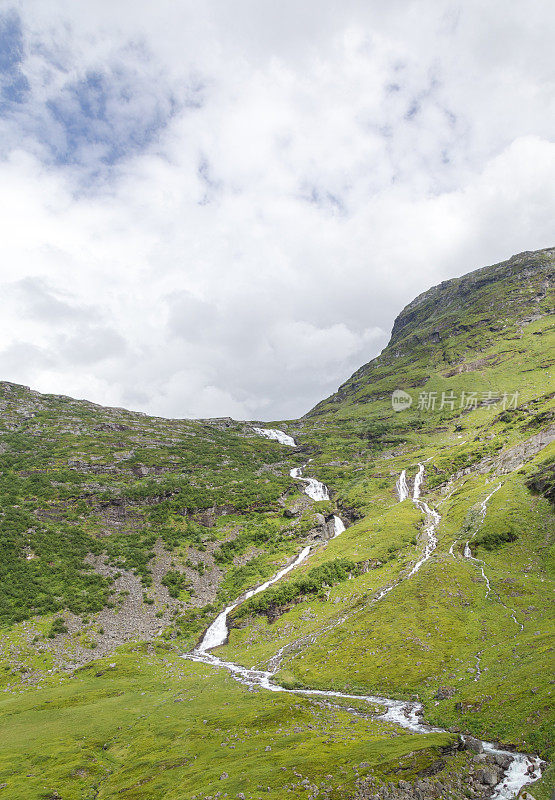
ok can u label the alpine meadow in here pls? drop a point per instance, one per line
(354, 604)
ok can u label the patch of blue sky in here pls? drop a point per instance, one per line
(91, 123)
(14, 86)
(107, 116)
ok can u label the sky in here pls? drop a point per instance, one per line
(219, 208)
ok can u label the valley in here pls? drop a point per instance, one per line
(355, 604)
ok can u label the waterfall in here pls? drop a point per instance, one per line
(217, 632)
(418, 482)
(279, 436)
(401, 486)
(339, 527)
(432, 521)
(313, 488)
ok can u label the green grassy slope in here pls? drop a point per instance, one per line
(186, 515)
(88, 495)
(488, 333)
(149, 724)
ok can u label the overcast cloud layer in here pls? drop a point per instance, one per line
(218, 208)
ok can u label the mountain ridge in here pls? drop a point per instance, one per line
(438, 316)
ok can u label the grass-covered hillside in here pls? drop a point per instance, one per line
(115, 525)
(124, 535)
(471, 637)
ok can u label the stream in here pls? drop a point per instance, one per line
(523, 769)
(467, 554)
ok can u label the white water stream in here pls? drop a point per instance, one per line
(523, 768)
(279, 436)
(467, 553)
(432, 521)
(313, 488)
(402, 486)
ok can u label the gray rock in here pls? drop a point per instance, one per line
(503, 760)
(487, 776)
(475, 745)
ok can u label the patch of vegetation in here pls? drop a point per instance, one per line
(493, 540)
(314, 582)
(176, 582)
(58, 626)
(42, 567)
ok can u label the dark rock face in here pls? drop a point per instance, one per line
(350, 515)
(210, 515)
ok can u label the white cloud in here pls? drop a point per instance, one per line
(254, 190)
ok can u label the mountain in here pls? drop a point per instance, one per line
(453, 326)
(124, 536)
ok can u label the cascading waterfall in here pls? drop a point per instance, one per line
(279, 436)
(432, 521)
(418, 482)
(338, 526)
(317, 490)
(524, 769)
(217, 632)
(313, 488)
(402, 487)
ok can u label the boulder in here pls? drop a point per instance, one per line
(487, 776)
(475, 745)
(503, 760)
